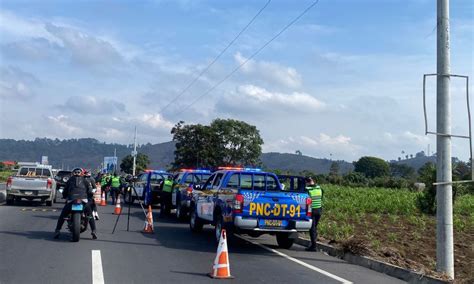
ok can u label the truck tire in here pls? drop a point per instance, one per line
(194, 223)
(284, 241)
(49, 203)
(180, 211)
(76, 226)
(55, 199)
(10, 200)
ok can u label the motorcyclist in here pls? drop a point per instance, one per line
(90, 195)
(77, 187)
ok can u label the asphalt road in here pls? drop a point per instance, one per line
(29, 254)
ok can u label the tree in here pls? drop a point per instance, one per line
(372, 167)
(224, 142)
(194, 145)
(141, 163)
(239, 143)
(334, 169)
(420, 154)
(426, 201)
(402, 171)
(298, 152)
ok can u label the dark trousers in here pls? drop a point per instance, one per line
(313, 232)
(114, 192)
(67, 209)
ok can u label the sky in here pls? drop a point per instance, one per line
(344, 81)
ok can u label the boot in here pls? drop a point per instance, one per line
(94, 235)
(311, 248)
(56, 234)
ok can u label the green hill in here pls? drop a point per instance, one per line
(89, 153)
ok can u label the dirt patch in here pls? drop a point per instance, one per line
(408, 242)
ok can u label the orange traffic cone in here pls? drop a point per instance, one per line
(148, 222)
(118, 208)
(102, 200)
(221, 267)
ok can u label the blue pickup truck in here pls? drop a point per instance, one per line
(185, 183)
(253, 202)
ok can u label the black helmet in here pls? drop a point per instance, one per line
(77, 172)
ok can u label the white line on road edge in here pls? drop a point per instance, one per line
(342, 280)
(97, 273)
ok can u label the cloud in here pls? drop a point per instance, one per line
(257, 100)
(93, 105)
(85, 49)
(32, 49)
(323, 145)
(270, 71)
(63, 122)
(155, 121)
(17, 84)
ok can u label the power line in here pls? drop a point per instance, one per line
(216, 58)
(251, 57)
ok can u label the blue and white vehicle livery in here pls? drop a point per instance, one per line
(186, 182)
(253, 202)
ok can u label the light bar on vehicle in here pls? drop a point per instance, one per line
(240, 169)
(196, 170)
(230, 168)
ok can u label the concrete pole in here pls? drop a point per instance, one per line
(444, 195)
(134, 153)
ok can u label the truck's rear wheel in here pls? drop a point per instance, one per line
(284, 241)
(76, 226)
(194, 223)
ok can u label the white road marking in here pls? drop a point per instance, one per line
(97, 273)
(342, 280)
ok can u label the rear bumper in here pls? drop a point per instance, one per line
(30, 193)
(252, 224)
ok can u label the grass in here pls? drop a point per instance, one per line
(4, 175)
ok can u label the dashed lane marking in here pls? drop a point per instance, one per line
(97, 272)
(342, 280)
(38, 210)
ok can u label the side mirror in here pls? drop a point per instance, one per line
(197, 187)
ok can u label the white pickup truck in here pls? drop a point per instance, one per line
(32, 182)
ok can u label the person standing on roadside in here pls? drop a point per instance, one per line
(316, 194)
(114, 187)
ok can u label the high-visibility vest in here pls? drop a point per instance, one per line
(115, 182)
(103, 181)
(316, 194)
(168, 186)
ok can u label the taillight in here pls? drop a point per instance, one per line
(189, 190)
(308, 206)
(9, 181)
(49, 183)
(238, 203)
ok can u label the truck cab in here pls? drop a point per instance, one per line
(186, 182)
(251, 201)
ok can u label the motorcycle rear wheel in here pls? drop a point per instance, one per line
(76, 226)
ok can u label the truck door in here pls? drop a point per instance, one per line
(209, 196)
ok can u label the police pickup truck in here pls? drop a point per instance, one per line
(250, 201)
(185, 183)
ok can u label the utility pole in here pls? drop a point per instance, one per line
(134, 153)
(444, 195)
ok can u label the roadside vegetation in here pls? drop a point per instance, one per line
(388, 224)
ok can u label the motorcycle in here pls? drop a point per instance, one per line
(77, 220)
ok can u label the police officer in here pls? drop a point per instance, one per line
(166, 195)
(114, 187)
(104, 184)
(77, 187)
(316, 194)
